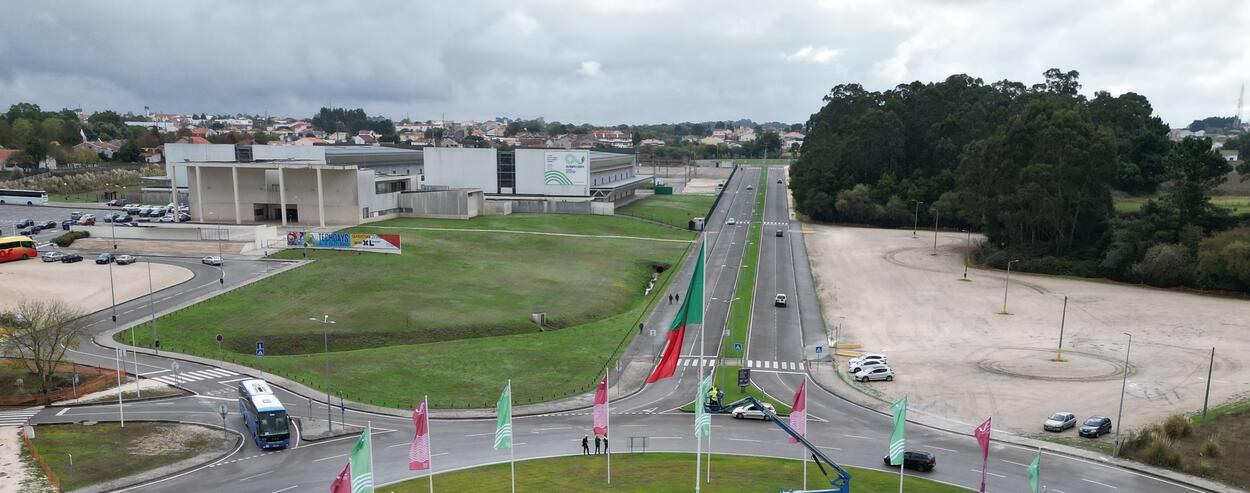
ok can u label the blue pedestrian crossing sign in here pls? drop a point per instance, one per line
(737, 346)
(819, 349)
(260, 348)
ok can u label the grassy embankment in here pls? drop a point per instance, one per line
(744, 291)
(659, 472)
(675, 210)
(450, 317)
(106, 451)
(1215, 448)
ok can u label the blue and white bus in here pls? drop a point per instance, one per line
(265, 417)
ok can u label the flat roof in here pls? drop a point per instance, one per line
(622, 183)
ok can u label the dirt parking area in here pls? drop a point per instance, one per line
(82, 284)
(958, 358)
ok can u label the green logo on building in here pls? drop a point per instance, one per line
(556, 177)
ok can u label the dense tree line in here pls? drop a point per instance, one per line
(41, 134)
(352, 121)
(1033, 168)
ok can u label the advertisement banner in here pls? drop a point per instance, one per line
(566, 168)
(385, 243)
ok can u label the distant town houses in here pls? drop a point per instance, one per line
(106, 150)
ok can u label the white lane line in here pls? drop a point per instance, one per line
(987, 472)
(288, 488)
(1099, 484)
(829, 448)
(63, 411)
(555, 428)
(235, 380)
(857, 436)
(744, 440)
(631, 426)
(254, 476)
(666, 438)
(939, 448)
(152, 373)
(333, 457)
(1015, 463)
(480, 434)
(215, 398)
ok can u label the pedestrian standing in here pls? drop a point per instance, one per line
(677, 297)
(605, 443)
(585, 444)
(670, 298)
(596, 444)
(639, 328)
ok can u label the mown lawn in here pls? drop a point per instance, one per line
(450, 317)
(653, 472)
(106, 451)
(1234, 204)
(675, 210)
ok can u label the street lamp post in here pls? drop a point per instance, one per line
(969, 248)
(1007, 285)
(915, 219)
(112, 292)
(325, 336)
(1123, 384)
(936, 213)
(151, 304)
(221, 267)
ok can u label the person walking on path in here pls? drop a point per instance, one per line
(596, 444)
(677, 297)
(585, 444)
(605, 443)
(670, 298)
(640, 328)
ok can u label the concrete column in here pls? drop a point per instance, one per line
(321, 205)
(199, 194)
(282, 195)
(234, 178)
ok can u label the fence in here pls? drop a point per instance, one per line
(101, 379)
(47, 471)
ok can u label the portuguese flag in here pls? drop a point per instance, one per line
(690, 312)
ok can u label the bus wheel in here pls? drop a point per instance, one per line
(1, 202)
(29, 203)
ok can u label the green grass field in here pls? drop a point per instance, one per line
(653, 472)
(676, 210)
(760, 162)
(744, 291)
(450, 317)
(107, 451)
(94, 195)
(1235, 204)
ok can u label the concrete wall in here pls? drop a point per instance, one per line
(214, 201)
(178, 154)
(259, 235)
(540, 206)
(462, 168)
(447, 204)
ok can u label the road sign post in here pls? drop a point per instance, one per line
(260, 348)
(219, 339)
(744, 379)
(221, 409)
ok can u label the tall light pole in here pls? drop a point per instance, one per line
(966, 255)
(221, 267)
(151, 304)
(325, 336)
(936, 213)
(1008, 285)
(1123, 383)
(915, 219)
(112, 293)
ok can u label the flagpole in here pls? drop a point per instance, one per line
(369, 433)
(429, 440)
(699, 399)
(512, 443)
(607, 416)
(804, 449)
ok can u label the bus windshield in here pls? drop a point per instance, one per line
(272, 423)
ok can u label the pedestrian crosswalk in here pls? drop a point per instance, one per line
(775, 223)
(18, 417)
(775, 365)
(695, 362)
(193, 376)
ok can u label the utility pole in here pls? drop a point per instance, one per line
(1210, 366)
(1123, 384)
(936, 214)
(915, 219)
(1062, 318)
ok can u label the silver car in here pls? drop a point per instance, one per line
(879, 373)
(52, 256)
(866, 366)
(212, 260)
(750, 411)
(125, 259)
(1059, 422)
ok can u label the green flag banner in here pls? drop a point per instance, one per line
(896, 437)
(503, 427)
(1035, 471)
(361, 460)
(702, 420)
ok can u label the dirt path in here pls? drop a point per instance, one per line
(13, 472)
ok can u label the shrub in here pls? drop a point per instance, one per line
(68, 238)
(1165, 265)
(1203, 467)
(1177, 427)
(1163, 453)
(1212, 448)
(856, 206)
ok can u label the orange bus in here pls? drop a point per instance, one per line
(17, 248)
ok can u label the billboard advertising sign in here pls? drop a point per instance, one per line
(385, 243)
(566, 168)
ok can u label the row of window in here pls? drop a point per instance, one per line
(390, 186)
(366, 213)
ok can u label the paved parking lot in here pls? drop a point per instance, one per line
(11, 214)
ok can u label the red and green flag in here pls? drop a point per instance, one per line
(690, 312)
(357, 476)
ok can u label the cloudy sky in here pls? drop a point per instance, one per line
(602, 61)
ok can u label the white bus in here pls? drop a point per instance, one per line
(28, 197)
(265, 417)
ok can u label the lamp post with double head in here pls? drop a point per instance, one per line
(1123, 384)
(915, 219)
(325, 337)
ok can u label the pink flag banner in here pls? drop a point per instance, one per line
(798, 412)
(343, 483)
(983, 439)
(601, 408)
(419, 452)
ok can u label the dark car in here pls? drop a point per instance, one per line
(1095, 427)
(31, 231)
(104, 258)
(49, 225)
(780, 233)
(25, 223)
(917, 459)
(70, 258)
(122, 218)
(65, 224)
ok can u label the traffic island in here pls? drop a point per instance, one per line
(314, 429)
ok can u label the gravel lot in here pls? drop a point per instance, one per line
(956, 357)
(83, 284)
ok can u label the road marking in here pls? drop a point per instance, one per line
(939, 448)
(666, 438)
(235, 380)
(215, 398)
(989, 473)
(631, 426)
(288, 488)
(63, 411)
(153, 373)
(556, 428)
(744, 440)
(1015, 463)
(256, 476)
(480, 434)
(860, 437)
(829, 448)
(333, 457)
(1099, 484)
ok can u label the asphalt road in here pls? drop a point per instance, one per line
(850, 434)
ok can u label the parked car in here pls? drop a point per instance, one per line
(879, 373)
(780, 300)
(750, 411)
(211, 260)
(167, 218)
(122, 218)
(854, 362)
(183, 217)
(779, 180)
(24, 223)
(66, 223)
(49, 225)
(87, 221)
(125, 259)
(867, 365)
(74, 216)
(731, 221)
(108, 218)
(1059, 422)
(31, 231)
(1095, 427)
(104, 258)
(750, 187)
(111, 203)
(917, 459)
(70, 258)
(52, 256)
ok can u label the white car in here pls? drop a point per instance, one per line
(867, 366)
(52, 256)
(211, 260)
(879, 373)
(167, 218)
(731, 221)
(865, 358)
(749, 411)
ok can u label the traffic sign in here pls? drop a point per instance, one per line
(76, 379)
(222, 411)
(219, 338)
(260, 348)
(819, 349)
(744, 377)
(737, 346)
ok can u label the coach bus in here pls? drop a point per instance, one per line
(28, 197)
(17, 248)
(265, 417)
